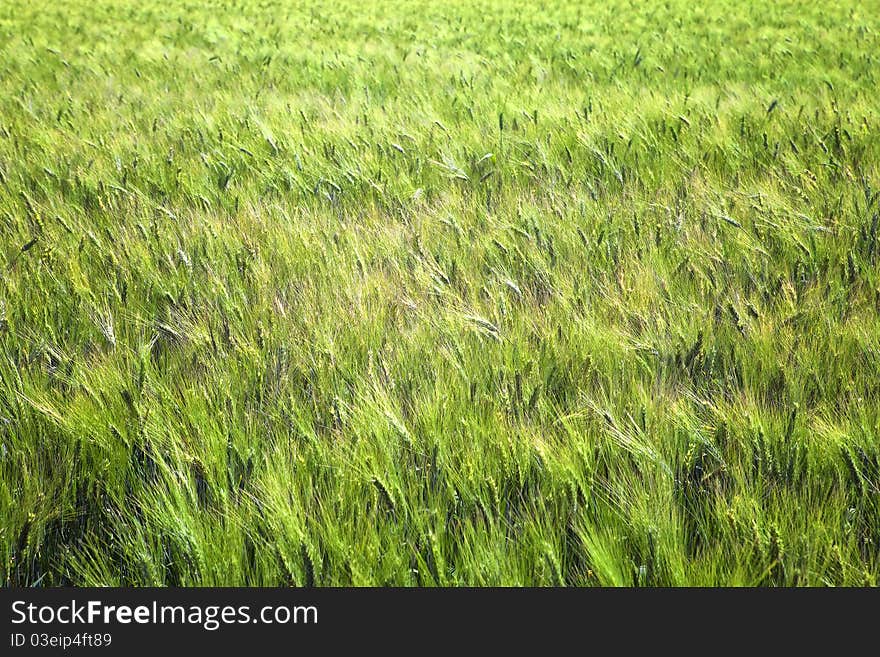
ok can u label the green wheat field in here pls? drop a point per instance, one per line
(439, 293)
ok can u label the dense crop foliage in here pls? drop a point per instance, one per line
(439, 292)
